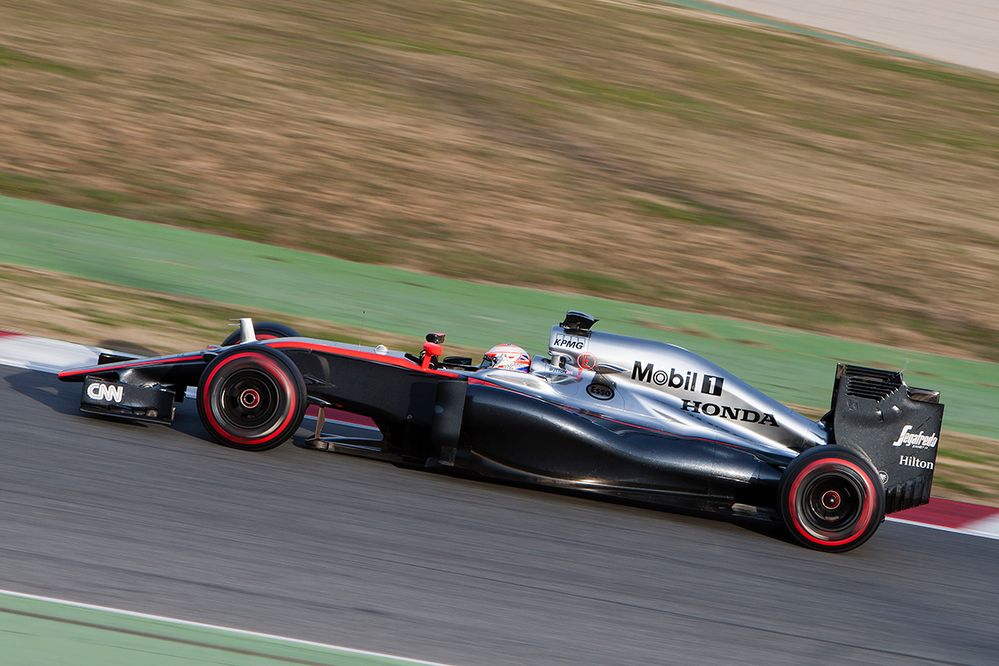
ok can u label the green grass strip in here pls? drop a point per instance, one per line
(792, 366)
(37, 632)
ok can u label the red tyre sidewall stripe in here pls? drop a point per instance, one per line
(279, 373)
(867, 512)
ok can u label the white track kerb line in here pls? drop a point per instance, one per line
(216, 627)
(972, 529)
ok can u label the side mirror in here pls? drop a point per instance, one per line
(432, 348)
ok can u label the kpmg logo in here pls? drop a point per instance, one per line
(688, 381)
(105, 392)
(569, 342)
(915, 440)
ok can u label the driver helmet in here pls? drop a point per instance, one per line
(507, 357)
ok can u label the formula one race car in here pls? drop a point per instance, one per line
(602, 413)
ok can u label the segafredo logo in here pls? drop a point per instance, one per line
(915, 440)
(913, 461)
(569, 342)
(105, 392)
(710, 384)
(731, 413)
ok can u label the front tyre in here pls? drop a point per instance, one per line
(831, 499)
(251, 397)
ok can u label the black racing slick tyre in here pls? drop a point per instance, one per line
(251, 397)
(831, 499)
(265, 330)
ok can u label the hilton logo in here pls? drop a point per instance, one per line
(913, 461)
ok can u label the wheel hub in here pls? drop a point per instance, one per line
(831, 502)
(249, 398)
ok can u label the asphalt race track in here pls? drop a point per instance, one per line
(360, 553)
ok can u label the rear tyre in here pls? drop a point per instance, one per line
(252, 398)
(831, 499)
(265, 330)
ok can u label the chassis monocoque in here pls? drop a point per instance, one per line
(603, 413)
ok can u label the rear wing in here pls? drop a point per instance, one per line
(894, 425)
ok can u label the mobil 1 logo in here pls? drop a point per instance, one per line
(686, 381)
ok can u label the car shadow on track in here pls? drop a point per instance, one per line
(47, 390)
(64, 398)
(766, 525)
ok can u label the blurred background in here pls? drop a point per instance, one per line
(724, 179)
(775, 192)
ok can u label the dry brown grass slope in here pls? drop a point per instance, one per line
(623, 148)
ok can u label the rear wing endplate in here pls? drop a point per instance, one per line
(897, 427)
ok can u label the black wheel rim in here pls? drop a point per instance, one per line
(250, 400)
(831, 502)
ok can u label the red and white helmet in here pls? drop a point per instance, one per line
(507, 357)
